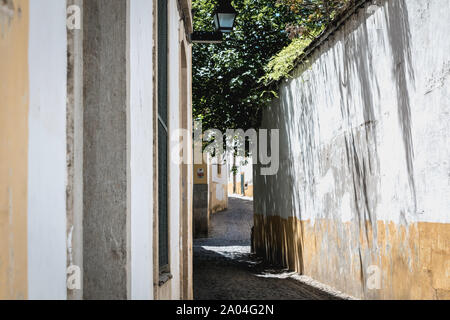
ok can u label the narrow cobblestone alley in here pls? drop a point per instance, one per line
(225, 269)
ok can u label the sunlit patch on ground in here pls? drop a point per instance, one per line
(232, 252)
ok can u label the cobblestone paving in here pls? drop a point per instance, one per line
(224, 268)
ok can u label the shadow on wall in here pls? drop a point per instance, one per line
(399, 38)
(296, 191)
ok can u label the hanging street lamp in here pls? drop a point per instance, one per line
(224, 19)
(225, 16)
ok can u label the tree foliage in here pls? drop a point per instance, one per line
(315, 15)
(232, 80)
(284, 62)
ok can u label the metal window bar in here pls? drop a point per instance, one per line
(163, 214)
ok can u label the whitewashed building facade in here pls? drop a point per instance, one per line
(92, 93)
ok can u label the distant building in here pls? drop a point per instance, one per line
(240, 176)
(218, 187)
(210, 194)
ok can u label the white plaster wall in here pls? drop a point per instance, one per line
(174, 168)
(373, 104)
(246, 169)
(141, 146)
(47, 151)
(430, 108)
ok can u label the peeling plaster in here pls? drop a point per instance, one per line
(438, 78)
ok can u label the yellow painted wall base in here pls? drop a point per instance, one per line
(13, 148)
(414, 260)
(248, 191)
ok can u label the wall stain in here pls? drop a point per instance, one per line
(7, 12)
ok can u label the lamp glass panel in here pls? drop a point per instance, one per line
(226, 20)
(216, 21)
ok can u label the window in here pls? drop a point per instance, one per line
(163, 134)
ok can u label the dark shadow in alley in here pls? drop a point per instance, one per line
(225, 269)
